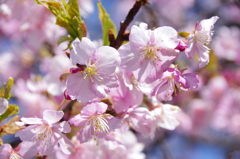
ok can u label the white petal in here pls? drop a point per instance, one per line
(138, 37)
(166, 37)
(3, 105)
(31, 120)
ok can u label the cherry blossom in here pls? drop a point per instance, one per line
(225, 44)
(6, 152)
(98, 74)
(149, 52)
(122, 97)
(44, 136)
(140, 119)
(197, 41)
(93, 122)
(173, 80)
(164, 116)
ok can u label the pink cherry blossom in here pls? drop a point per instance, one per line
(173, 80)
(197, 41)
(93, 122)
(181, 46)
(80, 151)
(140, 119)
(132, 148)
(3, 105)
(6, 152)
(164, 116)
(27, 22)
(44, 136)
(31, 97)
(149, 52)
(122, 97)
(99, 70)
(226, 43)
(52, 78)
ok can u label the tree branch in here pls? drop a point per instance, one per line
(124, 24)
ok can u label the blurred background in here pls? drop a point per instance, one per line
(210, 118)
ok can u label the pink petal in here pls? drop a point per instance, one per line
(64, 147)
(192, 80)
(26, 134)
(128, 58)
(94, 108)
(82, 51)
(147, 72)
(108, 59)
(52, 116)
(78, 120)
(203, 55)
(31, 120)
(50, 146)
(27, 149)
(78, 88)
(98, 89)
(65, 127)
(85, 133)
(207, 24)
(5, 151)
(138, 37)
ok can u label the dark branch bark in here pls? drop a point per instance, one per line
(123, 25)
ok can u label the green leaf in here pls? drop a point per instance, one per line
(82, 30)
(63, 39)
(54, 6)
(183, 34)
(11, 110)
(72, 9)
(6, 88)
(68, 17)
(107, 24)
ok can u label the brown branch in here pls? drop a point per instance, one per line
(123, 25)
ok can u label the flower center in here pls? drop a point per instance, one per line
(150, 52)
(90, 70)
(99, 124)
(15, 156)
(203, 37)
(43, 135)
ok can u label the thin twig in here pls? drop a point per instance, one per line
(123, 25)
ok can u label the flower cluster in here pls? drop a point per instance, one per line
(95, 97)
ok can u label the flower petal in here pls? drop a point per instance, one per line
(138, 37)
(5, 151)
(78, 88)
(94, 108)
(27, 149)
(128, 58)
(65, 127)
(108, 59)
(82, 51)
(52, 116)
(78, 120)
(166, 37)
(3, 105)
(31, 120)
